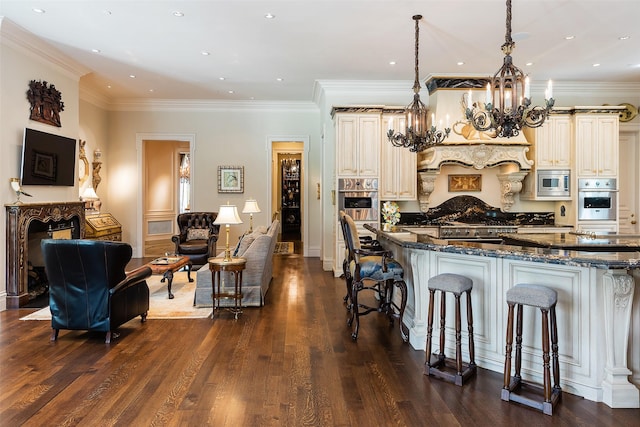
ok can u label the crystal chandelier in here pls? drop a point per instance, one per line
(507, 108)
(419, 135)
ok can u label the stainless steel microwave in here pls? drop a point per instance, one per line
(554, 183)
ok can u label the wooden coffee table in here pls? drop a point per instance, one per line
(167, 265)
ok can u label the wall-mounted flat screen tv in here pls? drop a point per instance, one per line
(48, 159)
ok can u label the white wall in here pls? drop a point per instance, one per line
(23, 59)
(230, 136)
(94, 128)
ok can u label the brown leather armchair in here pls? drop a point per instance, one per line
(89, 288)
(198, 236)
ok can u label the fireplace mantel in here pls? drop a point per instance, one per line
(19, 218)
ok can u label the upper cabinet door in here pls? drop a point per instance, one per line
(553, 143)
(369, 146)
(597, 147)
(358, 145)
(347, 145)
(398, 166)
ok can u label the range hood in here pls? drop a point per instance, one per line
(468, 147)
(511, 158)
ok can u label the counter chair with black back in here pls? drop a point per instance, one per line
(366, 242)
(197, 237)
(89, 288)
(375, 271)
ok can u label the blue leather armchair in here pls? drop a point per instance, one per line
(88, 286)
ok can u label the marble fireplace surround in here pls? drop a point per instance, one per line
(511, 158)
(24, 219)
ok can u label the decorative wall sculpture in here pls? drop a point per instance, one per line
(46, 103)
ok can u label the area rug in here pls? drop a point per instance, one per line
(283, 248)
(160, 306)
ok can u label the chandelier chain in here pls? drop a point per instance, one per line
(416, 83)
(507, 37)
(420, 130)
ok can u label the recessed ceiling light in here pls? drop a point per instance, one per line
(269, 16)
(108, 86)
(624, 37)
(38, 10)
(596, 65)
(222, 78)
(460, 63)
(150, 90)
(178, 14)
(569, 37)
(95, 50)
(529, 64)
(392, 62)
(280, 79)
(205, 53)
(230, 91)
(132, 76)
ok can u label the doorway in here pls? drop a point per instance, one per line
(288, 191)
(629, 203)
(161, 195)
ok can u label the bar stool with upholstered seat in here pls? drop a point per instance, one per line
(376, 271)
(545, 299)
(436, 364)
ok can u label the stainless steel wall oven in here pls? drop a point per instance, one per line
(597, 199)
(358, 197)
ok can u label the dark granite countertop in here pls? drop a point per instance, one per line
(602, 260)
(595, 242)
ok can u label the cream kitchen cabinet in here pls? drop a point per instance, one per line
(551, 143)
(550, 150)
(597, 227)
(597, 145)
(358, 145)
(398, 166)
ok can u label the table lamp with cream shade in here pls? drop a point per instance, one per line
(251, 207)
(227, 215)
(90, 199)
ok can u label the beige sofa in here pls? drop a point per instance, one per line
(257, 248)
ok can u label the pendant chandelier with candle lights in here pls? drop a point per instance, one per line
(420, 133)
(507, 108)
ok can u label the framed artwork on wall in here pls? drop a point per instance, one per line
(230, 179)
(465, 183)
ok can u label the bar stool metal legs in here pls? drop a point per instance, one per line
(438, 365)
(545, 299)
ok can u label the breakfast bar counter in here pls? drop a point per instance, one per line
(579, 242)
(597, 312)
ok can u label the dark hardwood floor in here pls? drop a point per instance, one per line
(289, 363)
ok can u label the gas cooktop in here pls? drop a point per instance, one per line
(460, 230)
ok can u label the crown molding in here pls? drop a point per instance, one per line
(93, 97)
(16, 37)
(206, 105)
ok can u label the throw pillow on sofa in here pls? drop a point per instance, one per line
(247, 239)
(197, 234)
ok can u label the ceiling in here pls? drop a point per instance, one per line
(325, 40)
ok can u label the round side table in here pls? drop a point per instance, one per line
(235, 266)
